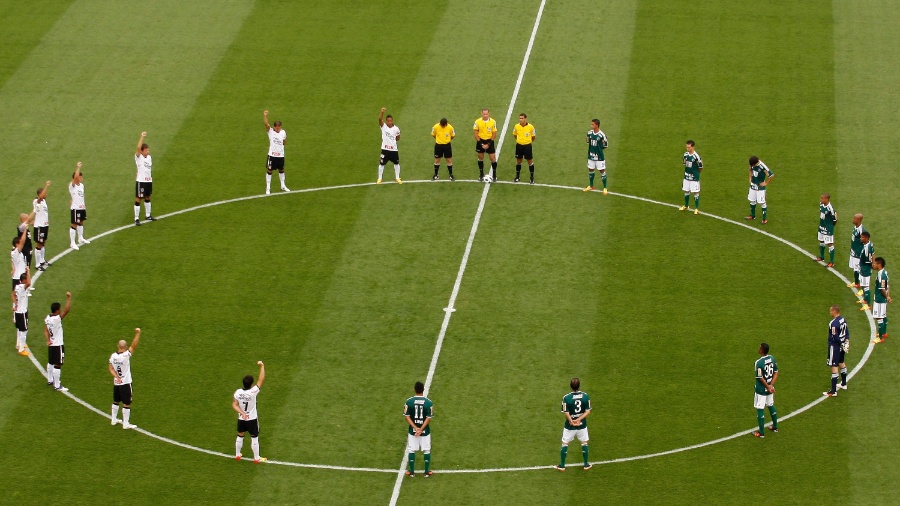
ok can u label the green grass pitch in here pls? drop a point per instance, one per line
(341, 291)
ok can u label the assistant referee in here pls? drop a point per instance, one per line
(524, 133)
(485, 131)
(443, 134)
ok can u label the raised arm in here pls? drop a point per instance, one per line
(262, 374)
(77, 172)
(20, 243)
(266, 119)
(134, 342)
(381, 116)
(140, 143)
(66, 309)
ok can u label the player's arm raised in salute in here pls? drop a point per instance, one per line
(381, 116)
(65, 311)
(266, 119)
(262, 374)
(137, 150)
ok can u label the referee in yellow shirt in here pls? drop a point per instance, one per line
(443, 133)
(524, 133)
(485, 132)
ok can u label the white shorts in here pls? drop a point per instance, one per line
(416, 443)
(597, 164)
(690, 186)
(879, 310)
(757, 196)
(864, 281)
(761, 401)
(854, 264)
(827, 239)
(569, 435)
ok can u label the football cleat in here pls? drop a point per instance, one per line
(860, 293)
(817, 259)
(773, 429)
(516, 180)
(41, 267)
(757, 434)
(434, 178)
(261, 459)
(62, 389)
(878, 340)
(829, 264)
(285, 189)
(25, 353)
(137, 223)
(113, 421)
(764, 222)
(452, 178)
(749, 217)
(842, 387)
(865, 307)
(696, 211)
(378, 181)
(561, 469)
(883, 337)
(588, 189)
(605, 192)
(588, 466)
(411, 474)
(683, 208)
(83, 241)
(151, 218)
(532, 181)
(428, 473)
(268, 191)
(398, 181)
(127, 426)
(238, 456)
(830, 394)
(74, 246)
(850, 285)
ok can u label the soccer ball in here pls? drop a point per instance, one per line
(487, 179)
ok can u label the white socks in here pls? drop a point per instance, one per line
(397, 171)
(20, 339)
(137, 211)
(80, 232)
(115, 411)
(39, 255)
(254, 443)
(56, 373)
(268, 182)
(238, 445)
(50, 373)
(380, 171)
(281, 177)
(72, 235)
(126, 414)
(147, 208)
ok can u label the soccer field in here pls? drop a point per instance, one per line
(493, 295)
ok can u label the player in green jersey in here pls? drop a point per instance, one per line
(576, 406)
(827, 219)
(693, 165)
(866, 254)
(764, 396)
(760, 177)
(597, 142)
(882, 298)
(418, 411)
(855, 248)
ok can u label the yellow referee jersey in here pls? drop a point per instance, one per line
(443, 135)
(524, 134)
(486, 129)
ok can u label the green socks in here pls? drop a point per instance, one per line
(765, 213)
(774, 415)
(412, 462)
(603, 178)
(821, 251)
(866, 294)
(687, 200)
(753, 210)
(584, 454)
(427, 462)
(856, 277)
(761, 419)
(591, 179)
(697, 201)
(562, 456)
(831, 254)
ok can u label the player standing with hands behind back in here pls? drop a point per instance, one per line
(77, 209)
(143, 185)
(275, 159)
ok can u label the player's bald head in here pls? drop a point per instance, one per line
(123, 345)
(857, 219)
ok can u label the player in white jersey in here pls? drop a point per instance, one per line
(76, 208)
(24, 224)
(390, 136)
(41, 226)
(120, 368)
(275, 158)
(245, 405)
(56, 348)
(143, 183)
(20, 311)
(17, 258)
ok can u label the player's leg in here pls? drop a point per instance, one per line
(567, 437)
(437, 161)
(695, 189)
(832, 362)
(74, 227)
(396, 161)
(239, 443)
(479, 148)
(531, 170)
(603, 176)
(590, 185)
(50, 366)
(493, 154)
(686, 188)
(821, 256)
(254, 441)
(450, 167)
(114, 410)
(268, 175)
(426, 450)
(281, 177)
(147, 208)
(126, 406)
(843, 366)
(381, 162)
(770, 403)
(830, 244)
(759, 403)
(412, 446)
(82, 215)
(761, 200)
(137, 202)
(751, 196)
(583, 439)
(518, 167)
(864, 282)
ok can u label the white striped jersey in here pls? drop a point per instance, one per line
(144, 168)
(54, 327)
(76, 192)
(22, 295)
(121, 362)
(247, 400)
(41, 213)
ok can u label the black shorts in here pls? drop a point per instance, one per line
(22, 321)
(77, 215)
(143, 190)
(122, 393)
(443, 151)
(275, 163)
(489, 150)
(389, 156)
(523, 151)
(40, 234)
(56, 355)
(251, 426)
(835, 355)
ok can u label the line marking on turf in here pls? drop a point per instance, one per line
(869, 350)
(449, 310)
